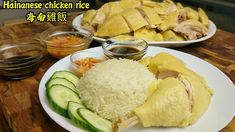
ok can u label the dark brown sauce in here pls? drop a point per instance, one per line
(124, 50)
(18, 59)
(27, 67)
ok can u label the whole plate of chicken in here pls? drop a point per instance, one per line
(165, 24)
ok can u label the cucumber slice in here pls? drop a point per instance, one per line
(59, 96)
(61, 81)
(75, 117)
(66, 75)
(97, 123)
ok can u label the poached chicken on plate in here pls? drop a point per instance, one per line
(178, 98)
(121, 20)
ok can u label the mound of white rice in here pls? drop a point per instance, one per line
(114, 87)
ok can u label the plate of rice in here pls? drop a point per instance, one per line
(218, 115)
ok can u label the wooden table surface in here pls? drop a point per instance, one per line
(20, 109)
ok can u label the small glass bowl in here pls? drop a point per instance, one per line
(81, 55)
(59, 40)
(138, 45)
(20, 58)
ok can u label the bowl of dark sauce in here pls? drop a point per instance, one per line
(133, 49)
(20, 58)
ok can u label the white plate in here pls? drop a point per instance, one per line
(212, 30)
(220, 112)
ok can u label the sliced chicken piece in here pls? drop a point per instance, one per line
(106, 11)
(152, 88)
(148, 35)
(123, 37)
(165, 74)
(189, 90)
(130, 3)
(163, 8)
(88, 17)
(201, 97)
(191, 29)
(144, 2)
(168, 106)
(171, 5)
(191, 13)
(193, 89)
(182, 15)
(180, 77)
(115, 8)
(203, 18)
(169, 35)
(134, 19)
(165, 62)
(170, 21)
(113, 26)
(150, 15)
(100, 15)
(173, 19)
(163, 59)
(165, 65)
(146, 60)
(162, 11)
(158, 37)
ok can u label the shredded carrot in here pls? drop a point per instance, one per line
(86, 64)
(62, 41)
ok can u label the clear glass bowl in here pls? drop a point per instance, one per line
(133, 49)
(81, 55)
(64, 40)
(20, 58)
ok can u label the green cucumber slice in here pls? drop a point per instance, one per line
(75, 117)
(66, 75)
(61, 81)
(59, 96)
(97, 123)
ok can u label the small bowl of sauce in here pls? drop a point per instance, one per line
(64, 40)
(20, 58)
(134, 49)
